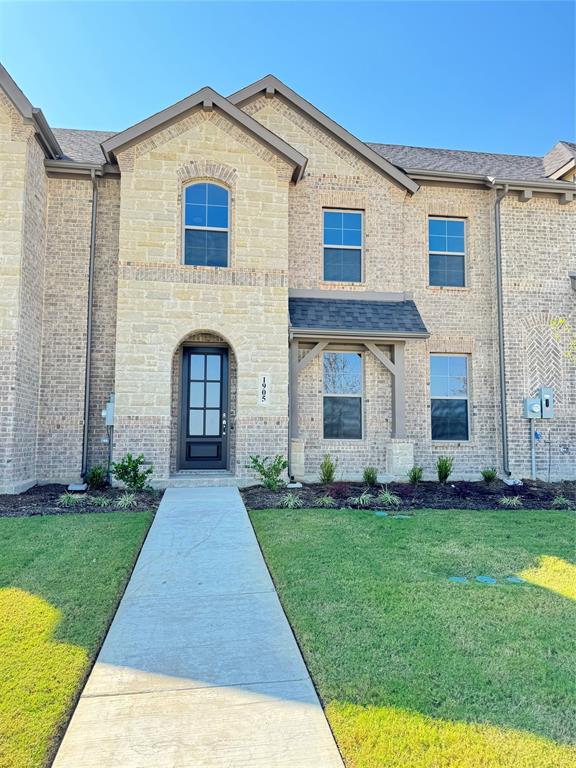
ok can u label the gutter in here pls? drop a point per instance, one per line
(87, 373)
(68, 167)
(327, 333)
(500, 195)
(537, 185)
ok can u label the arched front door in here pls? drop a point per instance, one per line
(204, 408)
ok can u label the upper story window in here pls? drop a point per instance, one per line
(206, 225)
(446, 251)
(342, 395)
(343, 246)
(449, 393)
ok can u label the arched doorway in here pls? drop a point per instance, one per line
(204, 379)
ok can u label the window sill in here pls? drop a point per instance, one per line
(450, 288)
(344, 283)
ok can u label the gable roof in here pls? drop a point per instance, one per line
(560, 159)
(271, 85)
(207, 98)
(30, 114)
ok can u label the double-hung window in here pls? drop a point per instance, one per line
(342, 395)
(449, 394)
(206, 225)
(343, 246)
(446, 252)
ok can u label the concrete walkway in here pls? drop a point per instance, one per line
(200, 668)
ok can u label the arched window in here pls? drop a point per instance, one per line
(206, 225)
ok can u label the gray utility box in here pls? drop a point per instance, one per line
(547, 402)
(532, 408)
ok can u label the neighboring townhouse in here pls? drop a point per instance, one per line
(244, 276)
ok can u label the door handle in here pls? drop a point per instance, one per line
(223, 425)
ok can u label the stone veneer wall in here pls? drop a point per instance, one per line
(161, 302)
(539, 250)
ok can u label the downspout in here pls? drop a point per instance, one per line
(500, 195)
(87, 380)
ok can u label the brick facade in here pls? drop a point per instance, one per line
(147, 304)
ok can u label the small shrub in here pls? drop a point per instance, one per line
(99, 501)
(561, 502)
(97, 477)
(70, 499)
(415, 474)
(362, 501)
(291, 501)
(489, 474)
(339, 490)
(510, 502)
(128, 471)
(370, 476)
(444, 467)
(325, 502)
(328, 469)
(126, 501)
(269, 470)
(388, 499)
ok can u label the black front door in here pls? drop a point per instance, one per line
(204, 398)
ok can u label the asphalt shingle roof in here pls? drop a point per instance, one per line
(522, 167)
(394, 317)
(84, 147)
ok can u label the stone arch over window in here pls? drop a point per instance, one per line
(200, 338)
(203, 169)
(543, 357)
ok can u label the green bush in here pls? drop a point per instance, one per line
(128, 471)
(70, 499)
(415, 474)
(291, 501)
(510, 502)
(126, 501)
(97, 477)
(269, 470)
(362, 501)
(327, 469)
(561, 502)
(388, 499)
(370, 476)
(325, 502)
(444, 467)
(489, 474)
(99, 501)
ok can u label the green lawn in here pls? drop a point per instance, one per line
(60, 581)
(415, 671)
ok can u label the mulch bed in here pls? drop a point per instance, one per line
(534, 494)
(43, 500)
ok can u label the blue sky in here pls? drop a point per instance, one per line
(495, 76)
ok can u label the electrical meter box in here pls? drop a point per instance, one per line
(532, 408)
(547, 402)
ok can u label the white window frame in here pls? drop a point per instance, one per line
(464, 253)
(344, 247)
(453, 397)
(334, 394)
(205, 229)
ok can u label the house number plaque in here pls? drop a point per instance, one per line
(263, 389)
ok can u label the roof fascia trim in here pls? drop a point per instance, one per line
(207, 98)
(30, 114)
(552, 187)
(359, 334)
(270, 84)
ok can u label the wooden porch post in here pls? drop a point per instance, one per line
(399, 392)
